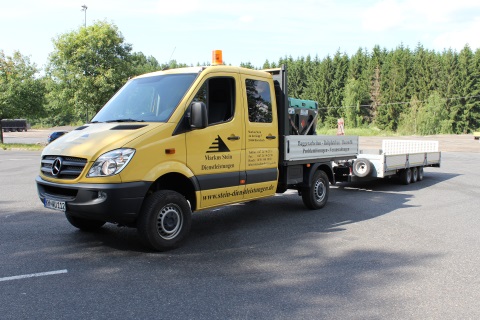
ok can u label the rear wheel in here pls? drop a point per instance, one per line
(406, 176)
(165, 220)
(414, 174)
(316, 195)
(420, 174)
(84, 224)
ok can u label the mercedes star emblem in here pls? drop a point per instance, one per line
(56, 166)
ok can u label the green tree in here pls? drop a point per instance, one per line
(340, 65)
(21, 92)
(247, 65)
(355, 93)
(433, 117)
(296, 77)
(323, 90)
(448, 82)
(396, 73)
(374, 80)
(424, 73)
(140, 64)
(467, 109)
(408, 123)
(87, 67)
(474, 112)
(314, 86)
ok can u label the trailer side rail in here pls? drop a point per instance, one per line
(408, 146)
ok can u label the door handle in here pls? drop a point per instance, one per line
(271, 137)
(232, 137)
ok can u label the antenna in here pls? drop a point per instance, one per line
(170, 59)
(167, 65)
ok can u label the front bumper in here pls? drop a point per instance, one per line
(118, 203)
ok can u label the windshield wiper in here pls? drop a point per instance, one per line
(124, 120)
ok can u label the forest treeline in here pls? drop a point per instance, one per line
(409, 91)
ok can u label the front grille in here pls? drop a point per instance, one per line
(69, 167)
(59, 192)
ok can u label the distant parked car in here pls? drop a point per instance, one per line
(55, 135)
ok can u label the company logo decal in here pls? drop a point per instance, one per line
(218, 146)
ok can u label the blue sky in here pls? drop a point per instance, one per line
(247, 30)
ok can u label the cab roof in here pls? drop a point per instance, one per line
(216, 68)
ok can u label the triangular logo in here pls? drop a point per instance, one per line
(218, 146)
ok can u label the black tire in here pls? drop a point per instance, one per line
(362, 167)
(164, 221)
(406, 176)
(316, 195)
(84, 224)
(420, 174)
(414, 174)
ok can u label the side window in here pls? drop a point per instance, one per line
(259, 101)
(219, 96)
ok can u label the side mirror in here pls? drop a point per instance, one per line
(198, 117)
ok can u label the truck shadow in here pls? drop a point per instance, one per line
(284, 216)
(270, 220)
(278, 218)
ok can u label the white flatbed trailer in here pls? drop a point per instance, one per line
(404, 158)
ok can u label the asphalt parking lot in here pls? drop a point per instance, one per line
(378, 250)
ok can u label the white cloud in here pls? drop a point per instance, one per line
(176, 7)
(246, 19)
(417, 14)
(458, 38)
(383, 15)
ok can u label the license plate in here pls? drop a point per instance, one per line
(55, 205)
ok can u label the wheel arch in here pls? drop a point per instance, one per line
(176, 182)
(326, 167)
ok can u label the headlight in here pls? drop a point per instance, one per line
(111, 163)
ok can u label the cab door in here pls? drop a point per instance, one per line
(261, 130)
(215, 154)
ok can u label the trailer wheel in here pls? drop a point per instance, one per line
(84, 224)
(316, 195)
(362, 167)
(164, 220)
(406, 176)
(414, 174)
(420, 174)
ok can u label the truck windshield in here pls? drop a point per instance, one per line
(149, 99)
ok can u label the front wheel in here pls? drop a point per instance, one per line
(84, 224)
(315, 196)
(165, 220)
